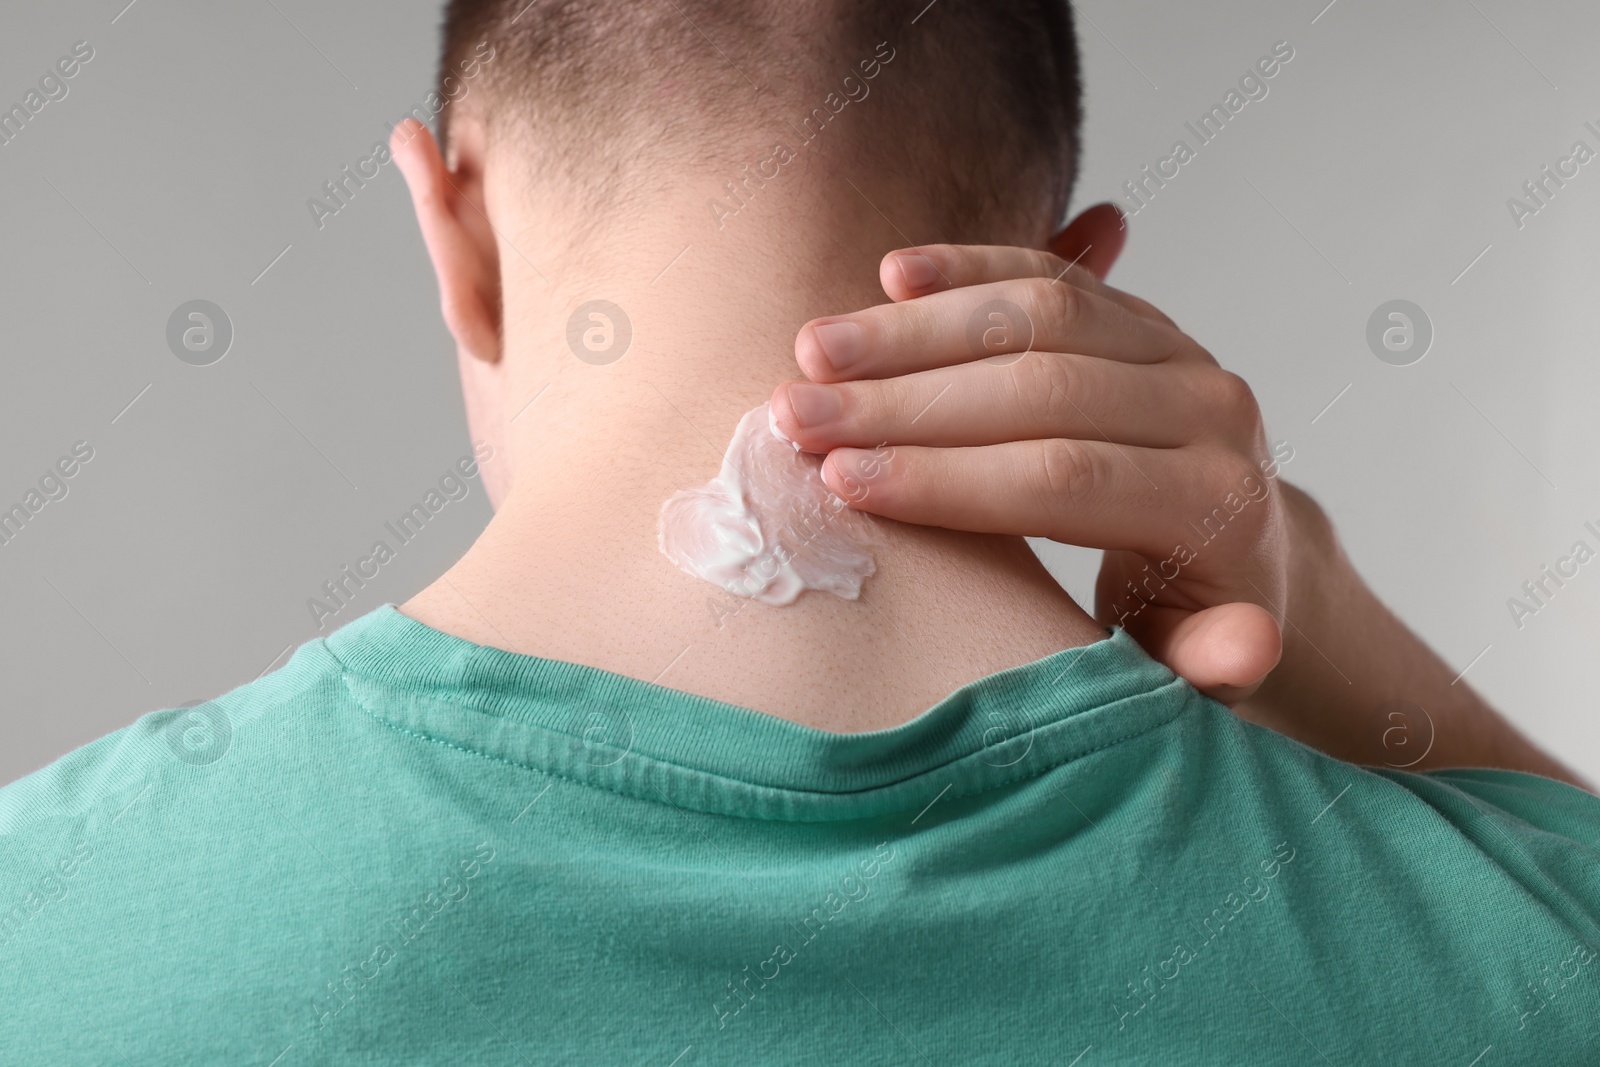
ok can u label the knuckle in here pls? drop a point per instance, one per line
(1069, 395)
(1049, 265)
(1068, 474)
(1047, 388)
(892, 330)
(1237, 400)
(1056, 304)
(886, 404)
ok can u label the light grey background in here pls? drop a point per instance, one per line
(179, 166)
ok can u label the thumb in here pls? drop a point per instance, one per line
(1226, 652)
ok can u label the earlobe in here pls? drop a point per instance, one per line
(1093, 239)
(460, 239)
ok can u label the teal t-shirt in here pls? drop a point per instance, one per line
(404, 848)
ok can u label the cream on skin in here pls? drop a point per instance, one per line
(767, 527)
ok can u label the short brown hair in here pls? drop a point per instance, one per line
(988, 89)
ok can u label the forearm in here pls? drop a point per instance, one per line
(1357, 684)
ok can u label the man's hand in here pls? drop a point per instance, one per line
(1006, 391)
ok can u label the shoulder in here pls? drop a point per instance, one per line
(95, 785)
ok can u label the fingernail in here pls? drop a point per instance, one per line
(849, 461)
(814, 405)
(853, 472)
(772, 424)
(919, 271)
(841, 343)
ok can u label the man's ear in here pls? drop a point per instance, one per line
(1093, 240)
(461, 242)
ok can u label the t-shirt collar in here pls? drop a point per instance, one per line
(659, 744)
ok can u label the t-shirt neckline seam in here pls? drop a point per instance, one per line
(822, 797)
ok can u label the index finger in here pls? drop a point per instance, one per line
(995, 320)
(908, 273)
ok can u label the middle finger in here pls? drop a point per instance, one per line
(1039, 395)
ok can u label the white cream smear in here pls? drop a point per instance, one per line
(767, 527)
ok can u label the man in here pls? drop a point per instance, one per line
(570, 804)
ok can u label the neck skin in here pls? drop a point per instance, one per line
(569, 568)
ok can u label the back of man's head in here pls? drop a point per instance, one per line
(976, 102)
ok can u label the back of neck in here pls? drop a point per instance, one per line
(569, 568)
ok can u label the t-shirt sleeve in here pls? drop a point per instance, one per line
(1545, 834)
(1541, 803)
